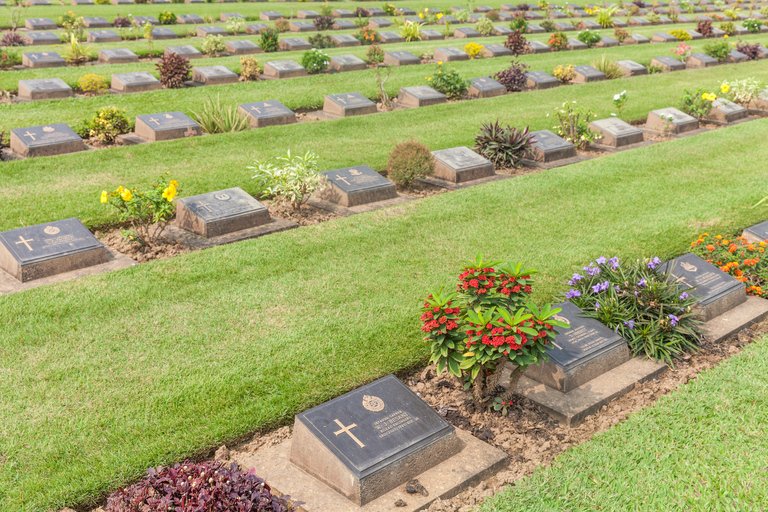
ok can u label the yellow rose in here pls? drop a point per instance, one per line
(104, 197)
(126, 195)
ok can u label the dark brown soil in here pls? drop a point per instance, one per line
(309, 214)
(162, 249)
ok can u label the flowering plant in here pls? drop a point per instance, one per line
(367, 35)
(558, 41)
(448, 82)
(738, 257)
(743, 91)
(620, 101)
(519, 21)
(683, 51)
(488, 321)
(289, 178)
(148, 212)
(315, 61)
(640, 302)
(474, 50)
(574, 124)
(697, 104)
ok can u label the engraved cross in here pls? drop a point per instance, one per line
(205, 206)
(31, 135)
(342, 179)
(256, 109)
(25, 242)
(153, 120)
(346, 430)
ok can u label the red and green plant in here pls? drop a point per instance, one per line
(174, 70)
(324, 22)
(516, 43)
(12, 39)
(558, 41)
(752, 51)
(367, 35)
(513, 78)
(270, 40)
(704, 27)
(738, 257)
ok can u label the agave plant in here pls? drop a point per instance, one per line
(215, 118)
(505, 146)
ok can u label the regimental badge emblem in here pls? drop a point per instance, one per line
(373, 403)
(48, 129)
(222, 197)
(51, 230)
(168, 116)
(688, 267)
(561, 319)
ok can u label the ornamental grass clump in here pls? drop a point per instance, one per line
(737, 256)
(289, 178)
(217, 118)
(148, 212)
(410, 31)
(448, 82)
(505, 146)
(408, 161)
(609, 67)
(488, 322)
(199, 487)
(174, 70)
(641, 302)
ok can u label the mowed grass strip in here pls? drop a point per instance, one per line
(702, 448)
(103, 377)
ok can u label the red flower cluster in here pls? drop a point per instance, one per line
(476, 280)
(442, 320)
(510, 286)
(496, 336)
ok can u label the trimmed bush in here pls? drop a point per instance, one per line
(408, 161)
(174, 70)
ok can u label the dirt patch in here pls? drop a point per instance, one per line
(162, 249)
(592, 152)
(304, 117)
(419, 189)
(517, 171)
(309, 214)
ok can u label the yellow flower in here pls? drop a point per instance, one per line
(429, 78)
(440, 63)
(725, 36)
(126, 195)
(120, 190)
(421, 16)
(104, 197)
(439, 15)
(174, 183)
(169, 193)
(725, 88)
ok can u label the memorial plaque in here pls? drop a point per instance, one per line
(466, 32)
(716, 291)
(607, 42)
(532, 28)
(38, 2)
(548, 147)
(700, 60)
(502, 31)
(220, 213)
(684, 19)
(48, 249)
(449, 54)
(159, 1)
(379, 23)
(226, 16)
(529, 15)
(581, 13)
(762, 52)
(164, 33)
(369, 441)
(348, 104)
(580, 353)
(496, 50)
(586, 74)
(736, 57)
(639, 22)
(140, 81)
(431, 35)
(242, 47)
(726, 111)
(343, 63)
(141, 20)
(616, 133)
(448, 19)
(460, 165)
(49, 140)
(680, 122)
(270, 15)
(639, 39)
(619, 23)
(211, 31)
(186, 51)
(537, 47)
(293, 44)
(632, 68)
(405, 11)
(103, 36)
(255, 28)
(342, 13)
(589, 25)
(694, 35)
(41, 39)
(757, 233)
(96, 22)
(189, 19)
(485, 87)
(413, 19)
(374, 11)
(483, 8)
(121, 2)
(344, 40)
(391, 37)
(401, 58)
(355, 186)
(307, 15)
(343, 25)
(667, 64)
(540, 80)
(302, 26)
(166, 126)
(76, 2)
(564, 27)
(575, 44)
(214, 75)
(556, 15)
(267, 113)
(419, 96)
(37, 60)
(283, 69)
(117, 56)
(716, 32)
(44, 89)
(39, 24)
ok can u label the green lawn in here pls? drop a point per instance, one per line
(702, 448)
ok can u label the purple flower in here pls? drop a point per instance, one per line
(642, 283)
(654, 263)
(601, 260)
(630, 324)
(617, 288)
(576, 279)
(614, 263)
(592, 271)
(674, 320)
(601, 287)
(597, 305)
(636, 294)
(573, 293)
(683, 296)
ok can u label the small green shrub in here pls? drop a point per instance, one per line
(492, 15)
(269, 40)
(462, 15)
(574, 124)
(108, 123)
(484, 26)
(321, 41)
(282, 25)
(250, 71)
(753, 26)
(9, 58)
(374, 54)
(519, 21)
(558, 41)
(589, 37)
(680, 34)
(728, 27)
(697, 104)
(217, 118)
(389, 9)
(564, 73)
(718, 50)
(620, 34)
(408, 161)
(547, 25)
(213, 45)
(315, 61)
(448, 82)
(92, 84)
(289, 178)
(166, 18)
(235, 25)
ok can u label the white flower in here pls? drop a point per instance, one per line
(616, 97)
(612, 114)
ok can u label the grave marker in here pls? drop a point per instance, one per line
(680, 122)
(375, 11)
(342, 63)
(140, 81)
(41, 39)
(667, 64)
(283, 69)
(419, 96)
(466, 32)
(502, 31)
(255, 28)
(431, 35)
(391, 38)
(564, 27)
(226, 16)
(401, 58)
(293, 44)
(39, 24)
(76, 2)
(548, 147)
(166, 126)
(757, 233)
(538, 80)
(460, 165)
(355, 186)
(348, 104)
(163, 33)
(270, 15)
(189, 19)
(538, 47)
(736, 57)
(141, 20)
(48, 140)
(95, 22)
(496, 50)
(700, 60)
(607, 42)
(186, 51)
(37, 60)
(344, 40)
(117, 56)
(343, 25)
(122, 2)
(586, 74)
(616, 133)
(449, 54)
(726, 111)
(342, 13)
(242, 47)
(632, 68)
(211, 31)
(532, 28)
(220, 213)
(302, 26)
(379, 23)
(44, 89)
(103, 36)
(267, 113)
(485, 88)
(575, 44)
(214, 75)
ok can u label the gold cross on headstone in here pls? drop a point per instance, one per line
(153, 120)
(25, 242)
(346, 430)
(256, 109)
(31, 135)
(342, 179)
(205, 206)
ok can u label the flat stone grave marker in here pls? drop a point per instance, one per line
(716, 291)
(343, 13)
(419, 96)
(82, 2)
(343, 25)
(431, 35)
(267, 113)
(683, 19)
(447, 19)
(48, 249)
(348, 104)
(401, 58)
(39, 24)
(575, 44)
(379, 23)
(226, 16)
(763, 52)
(529, 15)
(726, 111)
(283, 69)
(736, 57)
(540, 80)
(483, 8)
(589, 25)
(163, 33)
(694, 35)
(639, 22)
(37, 60)
(270, 15)
(375, 11)
(548, 147)
(700, 60)
(716, 32)
(39, 2)
(665, 20)
(619, 23)
(117, 56)
(485, 87)
(294, 44)
(121, 2)
(211, 31)
(140, 81)
(159, 1)
(405, 11)
(581, 13)
(141, 20)
(376, 438)
(391, 38)
(344, 40)
(449, 54)
(632, 68)
(496, 50)
(564, 27)
(95, 22)
(48, 140)
(502, 31)
(44, 89)
(242, 47)
(214, 75)
(302, 26)
(460, 165)
(639, 39)
(538, 47)
(41, 39)
(166, 126)
(663, 37)
(186, 51)
(757, 233)
(680, 122)
(532, 28)
(255, 28)
(607, 42)
(220, 213)
(586, 74)
(504, 7)
(189, 19)
(103, 36)
(581, 353)
(466, 32)
(343, 63)
(413, 19)
(616, 133)
(668, 64)
(557, 15)
(355, 186)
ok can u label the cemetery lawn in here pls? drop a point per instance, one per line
(703, 448)
(108, 375)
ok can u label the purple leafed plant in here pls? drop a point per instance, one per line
(514, 77)
(12, 39)
(122, 22)
(752, 51)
